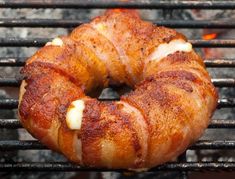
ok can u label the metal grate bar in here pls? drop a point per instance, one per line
(74, 23)
(215, 144)
(10, 123)
(36, 145)
(38, 42)
(226, 103)
(13, 103)
(183, 158)
(218, 82)
(222, 123)
(9, 82)
(21, 145)
(8, 103)
(213, 43)
(12, 61)
(224, 82)
(216, 63)
(65, 166)
(215, 123)
(149, 4)
(16, 42)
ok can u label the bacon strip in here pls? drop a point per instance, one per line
(169, 108)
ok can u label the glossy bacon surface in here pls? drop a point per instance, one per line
(169, 108)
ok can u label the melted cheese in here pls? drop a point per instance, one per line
(22, 90)
(169, 48)
(74, 115)
(56, 42)
(101, 28)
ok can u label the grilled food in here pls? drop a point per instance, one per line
(169, 108)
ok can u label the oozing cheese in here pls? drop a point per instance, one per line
(56, 42)
(100, 27)
(74, 114)
(22, 90)
(169, 48)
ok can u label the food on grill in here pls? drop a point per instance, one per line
(169, 108)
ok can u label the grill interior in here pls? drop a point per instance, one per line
(8, 83)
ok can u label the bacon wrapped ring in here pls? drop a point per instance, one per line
(170, 106)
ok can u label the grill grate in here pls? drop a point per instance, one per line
(63, 166)
(39, 42)
(13, 103)
(35, 145)
(103, 4)
(218, 63)
(219, 82)
(74, 23)
(215, 123)
(182, 164)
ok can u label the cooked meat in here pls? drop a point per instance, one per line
(169, 108)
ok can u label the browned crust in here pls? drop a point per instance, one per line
(175, 96)
(36, 68)
(44, 107)
(97, 43)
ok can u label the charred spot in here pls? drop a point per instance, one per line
(40, 67)
(154, 90)
(183, 85)
(125, 120)
(62, 110)
(145, 82)
(142, 49)
(92, 110)
(182, 74)
(91, 133)
(168, 38)
(93, 126)
(179, 57)
(33, 93)
(161, 96)
(24, 110)
(166, 35)
(66, 53)
(92, 130)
